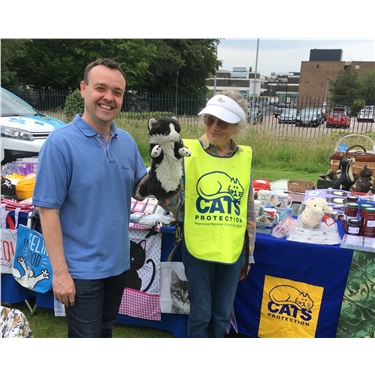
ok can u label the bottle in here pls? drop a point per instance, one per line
(369, 222)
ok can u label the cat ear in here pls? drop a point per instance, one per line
(151, 122)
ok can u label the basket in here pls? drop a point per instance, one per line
(300, 186)
(361, 155)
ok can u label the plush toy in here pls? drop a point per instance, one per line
(364, 181)
(312, 215)
(345, 179)
(166, 152)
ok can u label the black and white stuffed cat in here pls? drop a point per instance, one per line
(166, 152)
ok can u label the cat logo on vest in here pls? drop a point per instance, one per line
(219, 198)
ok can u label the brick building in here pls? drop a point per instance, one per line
(315, 76)
(312, 82)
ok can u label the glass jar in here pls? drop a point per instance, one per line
(353, 226)
(351, 199)
(351, 211)
(362, 212)
(369, 222)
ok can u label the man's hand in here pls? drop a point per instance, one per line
(64, 289)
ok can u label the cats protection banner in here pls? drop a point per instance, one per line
(141, 297)
(290, 297)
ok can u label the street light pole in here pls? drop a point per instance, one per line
(326, 93)
(255, 80)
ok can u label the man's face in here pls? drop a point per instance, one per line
(103, 96)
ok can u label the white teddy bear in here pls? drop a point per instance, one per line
(312, 215)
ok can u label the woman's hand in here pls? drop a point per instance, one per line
(244, 271)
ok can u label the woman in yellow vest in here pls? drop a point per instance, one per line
(215, 204)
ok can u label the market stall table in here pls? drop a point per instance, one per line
(315, 277)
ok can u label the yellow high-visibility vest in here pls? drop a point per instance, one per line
(216, 196)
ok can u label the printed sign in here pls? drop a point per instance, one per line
(289, 308)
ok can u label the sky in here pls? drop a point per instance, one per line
(286, 31)
(285, 54)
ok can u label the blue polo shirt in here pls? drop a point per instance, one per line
(91, 182)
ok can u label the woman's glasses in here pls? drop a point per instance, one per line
(210, 120)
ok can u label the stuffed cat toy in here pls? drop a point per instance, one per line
(166, 152)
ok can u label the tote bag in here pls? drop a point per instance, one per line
(8, 239)
(141, 296)
(31, 265)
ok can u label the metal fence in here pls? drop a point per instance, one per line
(180, 104)
(186, 107)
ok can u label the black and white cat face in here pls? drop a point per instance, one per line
(163, 130)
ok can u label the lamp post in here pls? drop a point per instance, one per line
(215, 72)
(255, 78)
(326, 93)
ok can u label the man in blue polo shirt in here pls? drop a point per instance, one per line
(87, 172)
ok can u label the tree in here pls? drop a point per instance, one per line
(157, 65)
(11, 49)
(346, 86)
(367, 86)
(183, 65)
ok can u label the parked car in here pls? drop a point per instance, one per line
(23, 128)
(255, 115)
(366, 114)
(342, 108)
(338, 119)
(279, 109)
(310, 117)
(288, 116)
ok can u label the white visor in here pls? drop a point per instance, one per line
(224, 108)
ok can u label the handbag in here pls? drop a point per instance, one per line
(362, 156)
(8, 238)
(174, 288)
(31, 265)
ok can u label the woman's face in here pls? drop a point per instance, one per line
(218, 131)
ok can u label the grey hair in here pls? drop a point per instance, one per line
(241, 101)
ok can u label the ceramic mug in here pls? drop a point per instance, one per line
(284, 212)
(259, 209)
(264, 196)
(272, 212)
(281, 200)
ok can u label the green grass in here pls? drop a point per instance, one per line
(44, 324)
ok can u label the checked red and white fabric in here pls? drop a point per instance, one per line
(145, 303)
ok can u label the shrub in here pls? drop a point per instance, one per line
(73, 103)
(357, 105)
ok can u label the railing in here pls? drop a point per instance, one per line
(186, 106)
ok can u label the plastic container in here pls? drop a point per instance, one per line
(25, 188)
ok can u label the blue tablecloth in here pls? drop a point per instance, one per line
(303, 267)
